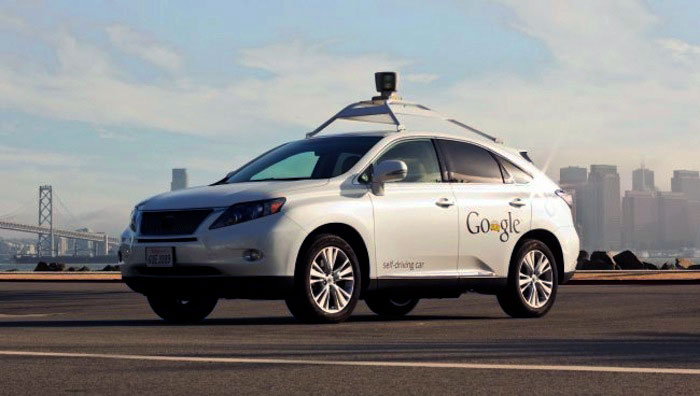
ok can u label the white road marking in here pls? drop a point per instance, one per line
(471, 366)
(26, 315)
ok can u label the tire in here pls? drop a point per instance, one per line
(531, 300)
(323, 295)
(175, 309)
(392, 307)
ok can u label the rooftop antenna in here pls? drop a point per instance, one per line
(387, 83)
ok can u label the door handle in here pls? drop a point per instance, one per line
(444, 202)
(517, 203)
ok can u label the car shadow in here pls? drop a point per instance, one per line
(250, 321)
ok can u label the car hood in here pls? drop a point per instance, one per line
(224, 195)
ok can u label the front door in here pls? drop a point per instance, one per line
(416, 230)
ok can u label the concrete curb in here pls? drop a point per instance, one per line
(580, 278)
(638, 277)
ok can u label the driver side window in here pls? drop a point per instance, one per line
(420, 158)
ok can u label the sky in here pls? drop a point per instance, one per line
(101, 99)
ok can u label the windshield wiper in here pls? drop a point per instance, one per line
(280, 179)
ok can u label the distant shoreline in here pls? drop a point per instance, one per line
(7, 266)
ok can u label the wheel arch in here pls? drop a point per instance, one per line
(352, 237)
(552, 242)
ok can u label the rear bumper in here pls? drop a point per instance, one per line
(569, 241)
(253, 287)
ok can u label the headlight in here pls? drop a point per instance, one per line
(132, 224)
(246, 211)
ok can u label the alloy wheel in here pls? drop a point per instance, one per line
(535, 279)
(331, 279)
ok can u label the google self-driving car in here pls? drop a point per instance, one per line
(389, 217)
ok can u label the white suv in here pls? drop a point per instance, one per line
(389, 217)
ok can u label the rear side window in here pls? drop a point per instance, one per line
(513, 174)
(467, 163)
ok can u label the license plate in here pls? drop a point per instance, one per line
(159, 257)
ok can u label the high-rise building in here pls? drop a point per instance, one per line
(686, 182)
(179, 181)
(674, 228)
(601, 205)
(694, 222)
(573, 179)
(573, 175)
(643, 179)
(82, 247)
(640, 220)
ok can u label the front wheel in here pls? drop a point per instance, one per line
(182, 310)
(532, 282)
(326, 282)
(391, 307)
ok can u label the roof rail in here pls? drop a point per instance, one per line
(386, 108)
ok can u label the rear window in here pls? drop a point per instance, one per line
(513, 174)
(468, 163)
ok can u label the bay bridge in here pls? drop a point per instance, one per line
(48, 234)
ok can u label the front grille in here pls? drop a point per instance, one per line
(175, 222)
(162, 240)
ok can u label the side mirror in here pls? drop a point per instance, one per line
(387, 171)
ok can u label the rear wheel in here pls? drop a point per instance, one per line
(326, 283)
(182, 310)
(391, 306)
(532, 282)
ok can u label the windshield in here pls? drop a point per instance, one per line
(306, 159)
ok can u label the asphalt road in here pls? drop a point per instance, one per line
(113, 344)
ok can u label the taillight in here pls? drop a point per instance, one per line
(568, 198)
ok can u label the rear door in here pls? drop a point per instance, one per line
(493, 211)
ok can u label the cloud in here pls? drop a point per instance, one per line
(143, 46)
(20, 157)
(421, 78)
(612, 94)
(11, 22)
(103, 133)
(681, 50)
(303, 83)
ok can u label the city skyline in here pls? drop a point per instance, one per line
(641, 218)
(138, 89)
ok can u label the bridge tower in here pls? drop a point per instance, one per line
(45, 244)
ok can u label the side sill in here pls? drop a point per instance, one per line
(435, 287)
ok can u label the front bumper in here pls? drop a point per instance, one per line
(220, 252)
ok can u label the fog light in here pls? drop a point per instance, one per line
(252, 255)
